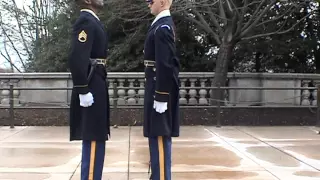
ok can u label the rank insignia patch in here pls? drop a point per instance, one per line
(82, 36)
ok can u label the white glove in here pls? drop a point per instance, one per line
(86, 100)
(160, 107)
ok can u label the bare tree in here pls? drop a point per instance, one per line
(231, 21)
(21, 27)
(8, 58)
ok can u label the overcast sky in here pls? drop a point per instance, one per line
(3, 61)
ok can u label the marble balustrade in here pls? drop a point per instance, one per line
(128, 90)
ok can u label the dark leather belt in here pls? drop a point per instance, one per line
(149, 63)
(99, 61)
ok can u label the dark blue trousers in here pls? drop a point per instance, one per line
(92, 160)
(160, 154)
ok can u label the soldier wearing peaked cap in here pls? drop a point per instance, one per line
(89, 108)
(161, 104)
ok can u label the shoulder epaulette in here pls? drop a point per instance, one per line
(162, 26)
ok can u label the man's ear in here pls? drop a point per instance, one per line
(87, 1)
(162, 2)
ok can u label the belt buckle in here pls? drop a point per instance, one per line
(102, 61)
(148, 63)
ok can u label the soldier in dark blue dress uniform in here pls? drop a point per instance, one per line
(161, 104)
(89, 108)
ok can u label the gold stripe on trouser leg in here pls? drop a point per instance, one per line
(92, 159)
(161, 157)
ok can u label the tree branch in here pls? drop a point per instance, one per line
(277, 18)
(20, 29)
(276, 32)
(254, 15)
(215, 21)
(29, 24)
(257, 19)
(10, 61)
(241, 18)
(206, 25)
(222, 13)
(13, 46)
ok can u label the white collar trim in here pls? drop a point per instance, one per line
(91, 12)
(162, 14)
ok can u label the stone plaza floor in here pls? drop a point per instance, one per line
(200, 153)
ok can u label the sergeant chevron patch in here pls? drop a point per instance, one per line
(82, 36)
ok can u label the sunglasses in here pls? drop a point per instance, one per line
(150, 2)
